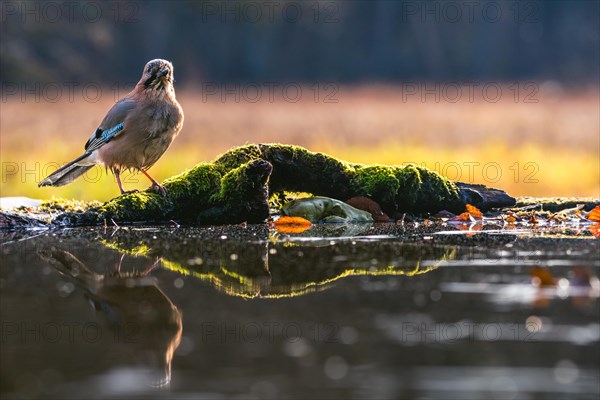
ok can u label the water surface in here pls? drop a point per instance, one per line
(356, 311)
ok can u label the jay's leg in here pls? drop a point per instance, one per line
(118, 178)
(116, 270)
(151, 267)
(157, 187)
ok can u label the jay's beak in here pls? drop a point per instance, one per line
(162, 72)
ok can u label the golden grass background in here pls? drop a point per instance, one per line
(548, 148)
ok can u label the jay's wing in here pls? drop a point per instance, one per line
(112, 125)
(100, 137)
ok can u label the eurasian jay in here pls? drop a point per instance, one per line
(135, 132)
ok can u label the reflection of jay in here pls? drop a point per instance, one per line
(138, 312)
(135, 133)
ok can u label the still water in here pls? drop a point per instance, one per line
(357, 311)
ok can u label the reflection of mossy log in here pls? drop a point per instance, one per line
(236, 187)
(270, 268)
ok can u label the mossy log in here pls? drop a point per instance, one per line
(237, 185)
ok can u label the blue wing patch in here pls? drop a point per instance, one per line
(101, 137)
(108, 134)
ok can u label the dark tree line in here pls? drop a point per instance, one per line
(307, 41)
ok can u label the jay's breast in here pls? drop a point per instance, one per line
(145, 139)
(135, 151)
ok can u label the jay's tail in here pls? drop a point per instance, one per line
(69, 172)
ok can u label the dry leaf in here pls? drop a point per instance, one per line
(464, 217)
(474, 211)
(510, 219)
(369, 205)
(594, 215)
(292, 224)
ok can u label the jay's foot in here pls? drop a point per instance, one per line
(159, 189)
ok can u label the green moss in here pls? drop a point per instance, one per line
(377, 182)
(232, 185)
(423, 190)
(409, 179)
(237, 156)
(435, 192)
(63, 205)
(199, 180)
(395, 188)
(66, 212)
(191, 191)
(278, 199)
(188, 194)
(297, 169)
(141, 206)
(244, 192)
(235, 187)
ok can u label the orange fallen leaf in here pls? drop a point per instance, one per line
(474, 211)
(510, 218)
(595, 229)
(292, 224)
(464, 216)
(594, 215)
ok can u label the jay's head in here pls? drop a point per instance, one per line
(157, 75)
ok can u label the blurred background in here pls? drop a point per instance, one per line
(504, 93)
